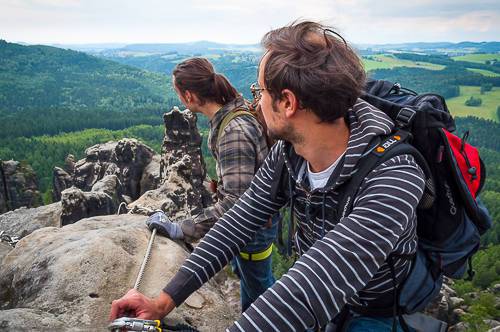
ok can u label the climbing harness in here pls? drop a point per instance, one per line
(135, 324)
(10, 239)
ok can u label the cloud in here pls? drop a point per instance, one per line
(238, 21)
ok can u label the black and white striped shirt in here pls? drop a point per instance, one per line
(341, 261)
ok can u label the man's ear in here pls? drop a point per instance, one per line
(188, 96)
(289, 102)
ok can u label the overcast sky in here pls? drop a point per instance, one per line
(242, 22)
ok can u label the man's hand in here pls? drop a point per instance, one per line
(164, 226)
(137, 305)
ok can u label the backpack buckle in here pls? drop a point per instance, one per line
(405, 117)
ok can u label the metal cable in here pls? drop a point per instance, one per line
(145, 260)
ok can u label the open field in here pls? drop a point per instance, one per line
(487, 110)
(479, 58)
(484, 72)
(387, 61)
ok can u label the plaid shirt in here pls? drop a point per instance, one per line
(239, 153)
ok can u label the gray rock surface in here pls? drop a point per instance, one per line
(23, 221)
(5, 248)
(24, 319)
(492, 323)
(18, 186)
(73, 273)
(173, 195)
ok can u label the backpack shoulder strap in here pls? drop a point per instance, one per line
(230, 116)
(391, 146)
(279, 174)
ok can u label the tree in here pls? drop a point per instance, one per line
(486, 87)
(473, 101)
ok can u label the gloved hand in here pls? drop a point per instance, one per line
(164, 226)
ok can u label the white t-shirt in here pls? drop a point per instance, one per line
(319, 179)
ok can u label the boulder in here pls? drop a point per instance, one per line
(460, 327)
(151, 175)
(71, 274)
(442, 306)
(18, 186)
(456, 302)
(492, 323)
(126, 159)
(103, 199)
(23, 221)
(496, 288)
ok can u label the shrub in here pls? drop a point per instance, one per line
(473, 101)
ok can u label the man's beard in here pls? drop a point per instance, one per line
(288, 134)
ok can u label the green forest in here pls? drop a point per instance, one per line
(54, 102)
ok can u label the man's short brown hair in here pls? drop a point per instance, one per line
(320, 68)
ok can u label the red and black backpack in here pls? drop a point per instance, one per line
(450, 215)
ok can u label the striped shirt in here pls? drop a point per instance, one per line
(238, 153)
(341, 261)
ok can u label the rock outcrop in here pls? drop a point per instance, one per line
(71, 274)
(111, 173)
(61, 178)
(182, 139)
(103, 199)
(18, 186)
(126, 159)
(450, 308)
(59, 275)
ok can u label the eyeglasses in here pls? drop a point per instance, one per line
(257, 91)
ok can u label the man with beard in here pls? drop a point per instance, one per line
(310, 83)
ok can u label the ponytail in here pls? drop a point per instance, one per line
(198, 76)
(225, 92)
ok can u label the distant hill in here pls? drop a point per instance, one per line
(441, 47)
(47, 77)
(208, 47)
(191, 48)
(48, 90)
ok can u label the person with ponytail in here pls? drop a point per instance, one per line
(238, 144)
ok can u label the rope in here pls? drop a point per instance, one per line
(120, 207)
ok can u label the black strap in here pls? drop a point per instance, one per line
(278, 176)
(178, 327)
(394, 145)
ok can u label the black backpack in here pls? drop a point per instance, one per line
(450, 216)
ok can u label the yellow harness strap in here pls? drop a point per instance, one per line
(257, 256)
